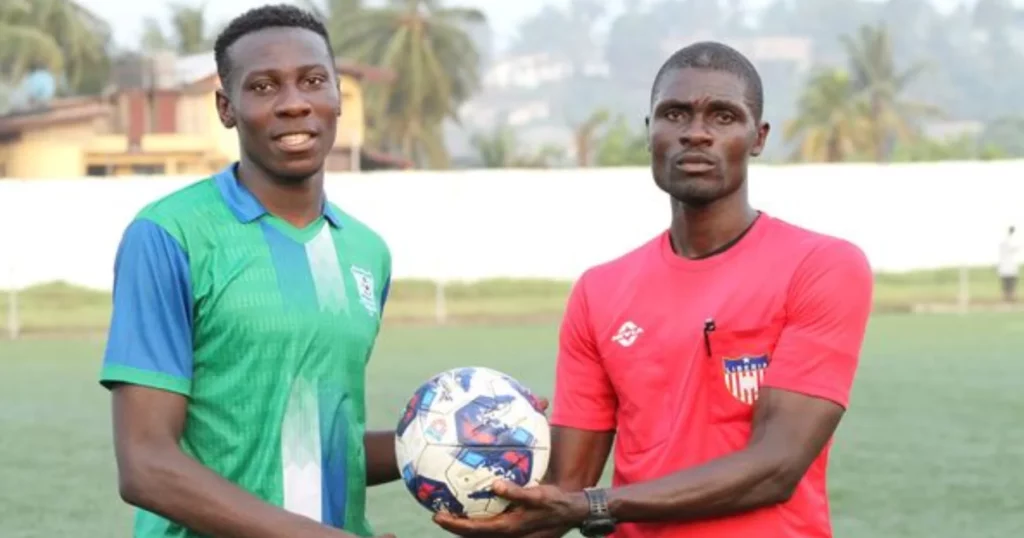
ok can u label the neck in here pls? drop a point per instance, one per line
(698, 231)
(299, 202)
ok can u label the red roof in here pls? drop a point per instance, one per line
(58, 111)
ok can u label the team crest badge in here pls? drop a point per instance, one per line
(366, 288)
(743, 376)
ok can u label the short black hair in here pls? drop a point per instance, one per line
(717, 57)
(261, 18)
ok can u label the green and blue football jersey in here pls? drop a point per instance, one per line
(267, 329)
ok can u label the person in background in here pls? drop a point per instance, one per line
(1009, 266)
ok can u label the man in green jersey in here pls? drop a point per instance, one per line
(246, 307)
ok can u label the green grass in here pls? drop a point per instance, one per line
(57, 307)
(932, 447)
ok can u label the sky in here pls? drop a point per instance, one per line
(125, 15)
(504, 15)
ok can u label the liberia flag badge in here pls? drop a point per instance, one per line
(743, 376)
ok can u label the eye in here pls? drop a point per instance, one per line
(316, 80)
(260, 87)
(724, 116)
(674, 114)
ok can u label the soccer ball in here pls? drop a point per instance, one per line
(462, 430)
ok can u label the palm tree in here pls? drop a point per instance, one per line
(878, 81)
(585, 136)
(831, 125)
(622, 146)
(436, 62)
(23, 44)
(497, 149)
(501, 149)
(153, 36)
(189, 31)
(336, 14)
(59, 35)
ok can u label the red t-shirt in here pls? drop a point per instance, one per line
(790, 307)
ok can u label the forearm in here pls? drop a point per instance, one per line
(169, 483)
(554, 533)
(737, 483)
(381, 465)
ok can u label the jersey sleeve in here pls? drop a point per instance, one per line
(386, 288)
(150, 338)
(384, 293)
(828, 307)
(584, 396)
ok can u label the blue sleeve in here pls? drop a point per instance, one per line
(150, 339)
(384, 294)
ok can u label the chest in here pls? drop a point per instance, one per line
(686, 357)
(671, 320)
(692, 340)
(276, 303)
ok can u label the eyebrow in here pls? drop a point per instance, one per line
(300, 69)
(712, 103)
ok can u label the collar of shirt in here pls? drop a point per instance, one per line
(244, 204)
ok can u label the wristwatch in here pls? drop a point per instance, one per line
(599, 521)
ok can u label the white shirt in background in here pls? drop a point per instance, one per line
(1009, 257)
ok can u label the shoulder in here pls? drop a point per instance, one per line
(183, 209)
(815, 249)
(358, 228)
(368, 239)
(621, 271)
(822, 262)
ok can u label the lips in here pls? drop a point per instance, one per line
(694, 159)
(694, 163)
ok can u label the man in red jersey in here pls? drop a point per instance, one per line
(720, 354)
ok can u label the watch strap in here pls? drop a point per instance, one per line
(598, 501)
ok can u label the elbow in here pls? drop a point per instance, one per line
(130, 490)
(132, 483)
(781, 491)
(138, 479)
(782, 482)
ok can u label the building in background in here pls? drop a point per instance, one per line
(159, 118)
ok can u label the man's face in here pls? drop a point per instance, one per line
(701, 133)
(283, 98)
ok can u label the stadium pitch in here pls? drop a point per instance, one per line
(930, 449)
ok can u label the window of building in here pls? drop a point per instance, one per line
(97, 170)
(147, 169)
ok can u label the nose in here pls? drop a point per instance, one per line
(291, 103)
(695, 133)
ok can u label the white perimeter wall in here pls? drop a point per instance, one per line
(468, 225)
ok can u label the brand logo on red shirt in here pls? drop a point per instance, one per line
(627, 334)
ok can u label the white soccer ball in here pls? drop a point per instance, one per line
(462, 430)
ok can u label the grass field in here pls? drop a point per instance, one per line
(932, 448)
(59, 308)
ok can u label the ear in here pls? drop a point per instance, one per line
(647, 129)
(341, 98)
(224, 110)
(762, 138)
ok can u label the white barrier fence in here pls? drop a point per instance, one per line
(469, 225)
